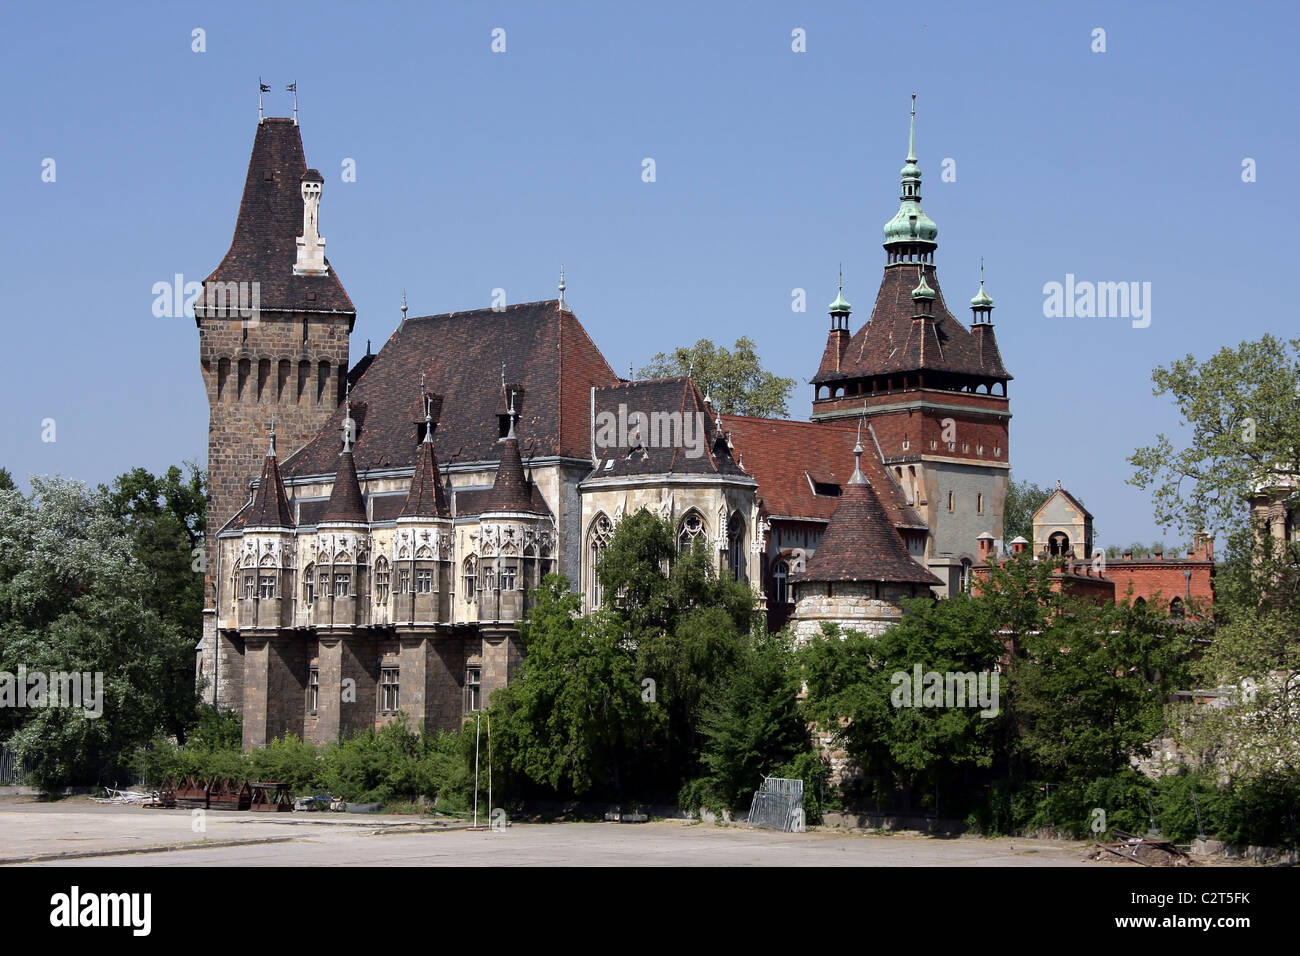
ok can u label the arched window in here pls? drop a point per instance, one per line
(1058, 545)
(780, 585)
(965, 575)
(598, 538)
(736, 546)
(381, 580)
(469, 575)
(1176, 608)
(691, 531)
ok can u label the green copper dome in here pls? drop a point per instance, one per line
(982, 299)
(922, 290)
(910, 224)
(840, 305)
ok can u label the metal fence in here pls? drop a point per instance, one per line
(778, 805)
(10, 771)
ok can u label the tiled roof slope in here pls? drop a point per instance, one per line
(426, 499)
(861, 545)
(270, 508)
(889, 343)
(664, 449)
(784, 455)
(264, 248)
(545, 350)
(346, 503)
(511, 491)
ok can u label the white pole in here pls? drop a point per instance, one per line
(490, 807)
(476, 771)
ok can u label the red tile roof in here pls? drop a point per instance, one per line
(783, 455)
(426, 499)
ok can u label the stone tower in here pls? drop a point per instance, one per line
(273, 321)
(934, 391)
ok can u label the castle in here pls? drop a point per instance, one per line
(376, 527)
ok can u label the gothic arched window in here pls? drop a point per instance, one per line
(381, 580)
(598, 538)
(736, 546)
(780, 585)
(469, 575)
(691, 531)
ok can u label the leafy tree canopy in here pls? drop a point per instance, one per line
(734, 379)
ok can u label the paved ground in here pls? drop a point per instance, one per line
(76, 832)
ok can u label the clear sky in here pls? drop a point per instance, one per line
(477, 170)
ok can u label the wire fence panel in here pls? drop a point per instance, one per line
(10, 771)
(778, 805)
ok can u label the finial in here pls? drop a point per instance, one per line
(348, 423)
(293, 88)
(911, 136)
(428, 414)
(271, 450)
(857, 478)
(403, 305)
(1058, 484)
(511, 413)
(561, 287)
(503, 374)
(841, 282)
(981, 270)
(630, 376)
(261, 88)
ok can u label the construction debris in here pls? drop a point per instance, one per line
(1146, 851)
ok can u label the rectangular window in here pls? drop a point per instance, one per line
(250, 585)
(473, 688)
(381, 587)
(508, 577)
(979, 503)
(324, 587)
(313, 688)
(388, 690)
(423, 581)
(342, 585)
(309, 588)
(266, 585)
(952, 501)
(404, 581)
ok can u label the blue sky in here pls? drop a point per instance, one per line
(477, 170)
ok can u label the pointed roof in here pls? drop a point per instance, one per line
(427, 498)
(511, 491)
(861, 544)
(346, 503)
(270, 508)
(264, 248)
(888, 344)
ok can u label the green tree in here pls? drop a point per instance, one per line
(74, 597)
(734, 379)
(1023, 499)
(1241, 417)
(574, 720)
(853, 689)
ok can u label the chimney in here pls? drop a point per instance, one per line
(1158, 554)
(984, 545)
(311, 247)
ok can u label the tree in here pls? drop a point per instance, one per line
(1242, 418)
(1023, 499)
(75, 598)
(575, 719)
(853, 687)
(735, 380)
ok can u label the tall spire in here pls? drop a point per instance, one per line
(841, 306)
(982, 303)
(403, 305)
(911, 230)
(858, 478)
(270, 504)
(270, 451)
